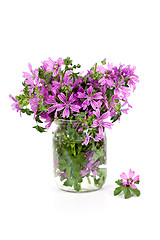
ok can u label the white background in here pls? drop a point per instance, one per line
(31, 205)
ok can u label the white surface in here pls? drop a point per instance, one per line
(31, 205)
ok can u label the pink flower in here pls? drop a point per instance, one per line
(90, 98)
(108, 81)
(90, 167)
(34, 105)
(86, 140)
(129, 181)
(67, 104)
(99, 121)
(52, 100)
(52, 66)
(31, 78)
(15, 105)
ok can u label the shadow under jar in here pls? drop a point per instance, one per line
(77, 167)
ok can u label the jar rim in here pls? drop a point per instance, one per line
(65, 121)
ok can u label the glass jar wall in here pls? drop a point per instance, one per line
(78, 167)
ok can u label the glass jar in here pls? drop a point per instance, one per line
(77, 167)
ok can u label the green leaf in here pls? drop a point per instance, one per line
(27, 111)
(115, 117)
(38, 120)
(118, 190)
(127, 193)
(39, 128)
(102, 176)
(118, 107)
(79, 158)
(76, 168)
(68, 182)
(137, 182)
(119, 182)
(99, 153)
(135, 191)
(116, 100)
(77, 186)
(62, 164)
(103, 62)
(67, 61)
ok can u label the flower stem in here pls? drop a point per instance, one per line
(47, 84)
(89, 181)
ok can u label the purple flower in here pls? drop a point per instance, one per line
(31, 78)
(67, 105)
(52, 66)
(101, 69)
(55, 87)
(90, 167)
(99, 121)
(90, 98)
(62, 174)
(34, 105)
(51, 100)
(86, 140)
(129, 181)
(107, 81)
(15, 105)
(103, 89)
(47, 118)
(66, 79)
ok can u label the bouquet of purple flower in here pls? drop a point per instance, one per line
(56, 90)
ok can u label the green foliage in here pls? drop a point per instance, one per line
(117, 191)
(37, 119)
(67, 61)
(101, 177)
(40, 129)
(103, 62)
(27, 111)
(119, 182)
(115, 117)
(127, 193)
(135, 191)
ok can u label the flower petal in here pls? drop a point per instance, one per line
(124, 176)
(85, 104)
(72, 98)
(30, 67)
(96, 164)
(86, 140)
(95, 173)
(97, 95)
(95, 123)
(51, 109)
(75, 108)
(105, 115)
(84, 172)
(93, 104)
(124, 183)
(133, 185)
(60, 106)
(62, 97)
(136, 178)
(66, 112)
(107, 125)
(81, 95)
(97, 113)
(100, 131)
(131, 173)
(89, 90)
